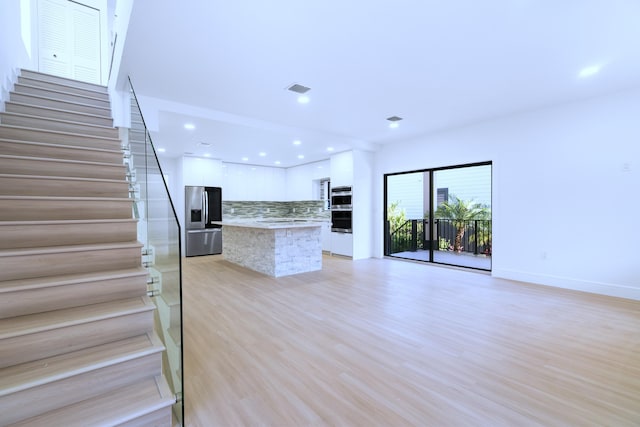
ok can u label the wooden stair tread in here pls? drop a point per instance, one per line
(114, 408)
(69, 198)
(39, 75)
(62, 178)
(67, 221)
(61, 86)
(44, 145)
(68, 161)
(17, 86)
(40, 119)
(8, 113)
(62, 110)
(68, 248)
(33, 323)
(68, 279)
(39, 98)
(31, 374)
(61, 133)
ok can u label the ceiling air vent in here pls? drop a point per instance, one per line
(298, 88)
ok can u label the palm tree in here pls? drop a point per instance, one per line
(459, 211)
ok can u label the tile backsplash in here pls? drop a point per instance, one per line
(260, 209)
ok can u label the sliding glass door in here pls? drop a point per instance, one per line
(440, 215)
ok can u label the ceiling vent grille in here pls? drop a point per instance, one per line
(298, 88)
(394, 118)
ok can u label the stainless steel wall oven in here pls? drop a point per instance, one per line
(341, 209)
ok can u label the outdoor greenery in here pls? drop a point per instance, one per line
(396, 216)
(459, 211)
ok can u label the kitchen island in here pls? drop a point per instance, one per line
(273, 247)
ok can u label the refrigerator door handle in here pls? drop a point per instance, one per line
(206, 207)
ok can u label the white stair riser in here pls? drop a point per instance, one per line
(30, 110)
(39, 345)
(36, 209)
(78, 388)
(29, 301)
(62, 87)
(57, 125)
(54, 186)
(56, 151)
(62, 80)
(61, 168)
(25, 266)
(35, 100)
(61, 96)
(57, 137)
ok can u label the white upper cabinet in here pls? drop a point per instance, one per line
(342, 169)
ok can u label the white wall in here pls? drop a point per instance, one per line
(301, 180)
(363, 207)
(565, 190)
(16, 42)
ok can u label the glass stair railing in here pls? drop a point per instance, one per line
(159, 231)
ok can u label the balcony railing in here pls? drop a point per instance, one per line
(159, 231)
(469, 236)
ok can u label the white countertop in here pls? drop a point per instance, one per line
(271, 223)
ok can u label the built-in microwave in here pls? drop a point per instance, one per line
(341, 198)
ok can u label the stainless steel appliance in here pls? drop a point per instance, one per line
(341, 209)
(202, 205)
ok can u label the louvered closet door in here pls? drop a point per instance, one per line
(69, 40)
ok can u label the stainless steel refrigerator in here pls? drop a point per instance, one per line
(202, 206)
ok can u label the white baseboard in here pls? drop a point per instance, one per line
(610, 289)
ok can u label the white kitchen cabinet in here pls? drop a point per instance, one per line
(342, 169)
(342, 244)
(355, 169)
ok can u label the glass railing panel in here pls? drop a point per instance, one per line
(159, 231)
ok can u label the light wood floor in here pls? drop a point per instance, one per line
(382, 342)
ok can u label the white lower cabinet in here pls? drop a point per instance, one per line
(342, 243)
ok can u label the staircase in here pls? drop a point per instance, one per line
(77, 339)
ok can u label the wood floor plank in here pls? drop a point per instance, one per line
(382, 342)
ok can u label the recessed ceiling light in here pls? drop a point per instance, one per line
(329, 148)
(319, 167)
(301, 156)
(589, 71)
(394, 121)
(297, 142)
(277, 162)
(189, 126)
(207, 155)
(262, 154)
(303, 99)
(245, 159)
(161, 150)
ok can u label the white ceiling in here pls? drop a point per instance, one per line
(225, 65)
